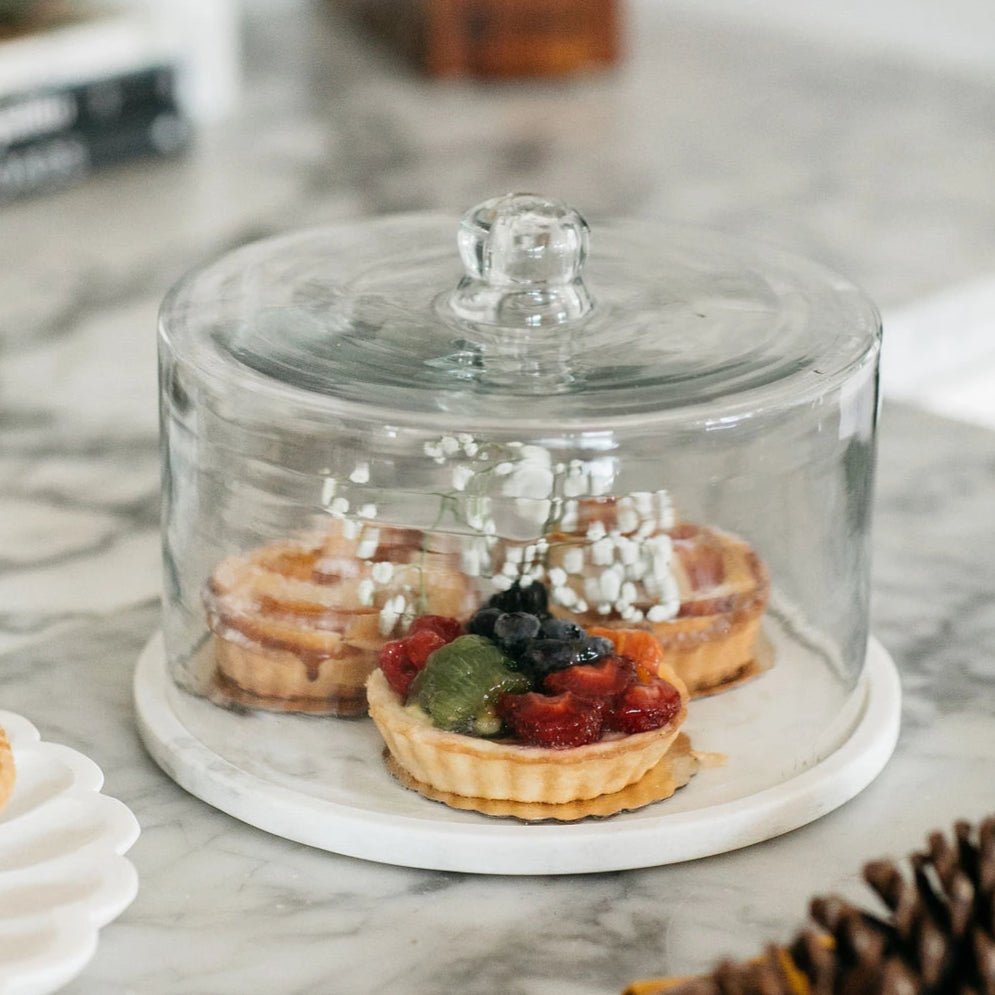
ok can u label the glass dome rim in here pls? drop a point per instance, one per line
(852, 310)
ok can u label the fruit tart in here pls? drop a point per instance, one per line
(520, 713)
(296, 625)
(700, 591)
(7, 771)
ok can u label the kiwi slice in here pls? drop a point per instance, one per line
(460, 683)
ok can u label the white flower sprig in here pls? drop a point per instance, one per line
(519, 514)
(607, 569)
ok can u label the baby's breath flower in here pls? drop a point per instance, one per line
(382, 571)
(610, 584)
(365, 591)
(602, 552)
(601, 473)
(628, 551)
(627, 519)
(508, 492)
(592, 589)
(368, 544)
(474, 558)
(664, 509)
(596, 531)
(462, 475)
(515, 554)
(565, 596)
(390, 613)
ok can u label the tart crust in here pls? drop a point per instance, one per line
(8, 773)
(297, 624)
(674, 770)
(473, 768)
(722, 586)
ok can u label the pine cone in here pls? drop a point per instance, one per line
(938, 935)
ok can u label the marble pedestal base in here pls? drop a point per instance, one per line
(322, 782)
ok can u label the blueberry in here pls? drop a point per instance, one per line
(560, 628)
(543, 656)
(513, 630)
(591, 648)
(482, 622)
(506, 601)
(533, 599)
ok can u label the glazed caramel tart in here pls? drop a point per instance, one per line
(297, 624)
(476, 768)
(704, 605)
(8, 773)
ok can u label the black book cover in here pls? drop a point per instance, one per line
(67, 133)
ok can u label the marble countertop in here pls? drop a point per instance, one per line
(863, 158)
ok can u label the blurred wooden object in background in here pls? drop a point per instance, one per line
(497, 38)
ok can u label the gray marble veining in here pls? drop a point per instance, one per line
(874, 165)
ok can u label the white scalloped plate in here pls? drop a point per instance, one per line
(62, 871)
(322, 781)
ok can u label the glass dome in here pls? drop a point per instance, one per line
(661, 428)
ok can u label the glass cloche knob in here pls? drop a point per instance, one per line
(523, 256)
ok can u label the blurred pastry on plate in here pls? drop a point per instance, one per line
(701, 591)
(8, 773)
(297, 624)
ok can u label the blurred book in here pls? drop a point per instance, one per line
(52, 136)
(85, 85)
(497, 38)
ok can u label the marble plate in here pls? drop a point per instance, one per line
(62, 871)
(322, 781)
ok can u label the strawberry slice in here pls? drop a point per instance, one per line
(644, 707)
(444, 626)
(605, 681)
(558, 721)
(397, 666)
(421, 645)
(401, 659)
